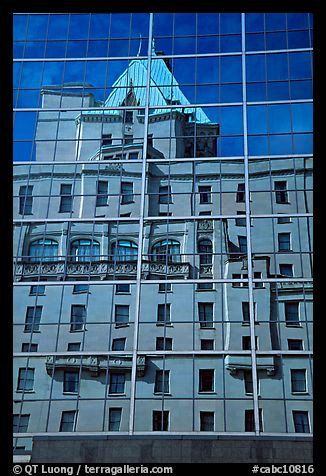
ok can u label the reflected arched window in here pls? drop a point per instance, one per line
(85, 250)
(43, 250)
(205, 250)
(166, 250)
(124, 250)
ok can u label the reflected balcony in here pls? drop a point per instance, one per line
(235, 363)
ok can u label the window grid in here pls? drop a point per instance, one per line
(247, 213)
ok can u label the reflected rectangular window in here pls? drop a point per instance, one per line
(25, 200)
(68, 420)
(286, 270)
(284, 242)
(241, 193)
(80, 288)
(291, 310)
(295, 344)
(121, 315)
(207, 421)
(77, 317)
(162, 381)
(163, 343)
(281, 193)
(246, 342)
(119, 344)
(163, 313)
(65, 198)
(25, 379)
(33, 318)
(37, 290)
(128, 117)
(250, 420)
(122, 289)
(102, 193)
(298, 381)
(115, 419)
(240, 221)
(127, 190)
(73, 347)
(160, 420)
(245, 312)
(207, 344)
(106, 139)
(20, 423)
(205, 311)
(165, 194)
(205, 195)
(248, 384)
(71, 381)
(29, 347)
(117, 383)
(301, 421)
(165, 288)
(206, 380)
(242, 244)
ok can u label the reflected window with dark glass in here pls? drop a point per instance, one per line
(33, 318)
(115, 419)
(43, 250)
(281, 193)
(117, 383)
(291, 310)
(205, 311)
(298, 381)
(286, 270)
(119, 344)
(71, 381)
(165, 194)
(205, 250)
(65, 198)
(163, 313)
(166, 250)
(68, 420)
(29, 347)
(25, 200)
(206, 344)
(121, 315)
(122, 289)
(295, 344)
(162, 381)
(163, 343)
(124, 250)
(127, 191)
(205, 194)
(84, 250)
(284, 242)
(160, 420)
(242, 244)
(102, 193)
(250, 420)
(206, 421)
(77, 317)
(248, 383)
(301, 421)
(206, 380)
(241, 193)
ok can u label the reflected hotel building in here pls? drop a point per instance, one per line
(162, 227)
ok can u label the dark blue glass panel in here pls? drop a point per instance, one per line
(208, 93)
(302, 143)
(34, 49)
(297, 20)
(230, 93)
(280, 144)
(254, 22)
(277, 66)
(163, 24)
(257, 119)
(231, 146)
(19, 27)
(256, 92)
(16, 74)
(231, 69)
(99, 25)
(207, 23)
(231, 121)
(184, 45)
(258, 145)
(302, 117)
(74, 72)
(23, 151)
(119, 48)
(279, 118)
(78, 27)
(29, 98)
(76, 49)
(37, 27)
(31, 75)
(279, 90)
(161, 44)
(139, 24)
(276, 41)
(208, 44)
(115, 68)
(96, 73)
(56, 49)
(98, 48)
(184, 24)
(301, 89)
(230, 22)
(298, 39)
(24, 125)
(256, 70)
(53, 73)
(18, 49)
(275, 21)
(300, 65)
(190, 92)
(207, 70)
(255, 42)
(231, 43)
(58, 27)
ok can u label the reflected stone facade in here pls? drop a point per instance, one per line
(161, 285)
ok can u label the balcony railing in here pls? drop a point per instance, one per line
(234, 363)
(98, 269)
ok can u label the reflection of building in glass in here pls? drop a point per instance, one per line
(178, 273)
